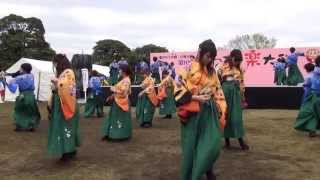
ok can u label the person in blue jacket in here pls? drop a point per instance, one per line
(26, 113)
(294, 75)
(308, 119)
(95, 100)
(309, 67)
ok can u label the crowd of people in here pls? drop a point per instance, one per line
(208, 102)
(290, 62)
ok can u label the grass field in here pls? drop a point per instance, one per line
(277, 152)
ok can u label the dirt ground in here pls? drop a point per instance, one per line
(277, 152)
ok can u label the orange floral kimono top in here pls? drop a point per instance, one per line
(199, 82)
(165, 83)
(122, 92)
(238, 74)
(148, 85)
(67, 92)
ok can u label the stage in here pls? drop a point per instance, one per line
(258, 97)
(274, 97)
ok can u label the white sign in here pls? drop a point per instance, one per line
(85, 79)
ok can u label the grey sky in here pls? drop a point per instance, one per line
(74, 26)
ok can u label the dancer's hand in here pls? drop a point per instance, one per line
(204, 98)
(222, 120)
(141, 93)
(54, 84)
(244, 104)
(110, 98)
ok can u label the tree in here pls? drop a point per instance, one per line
(22, 37)
(107, 50)
(145, 51)
(254, 41)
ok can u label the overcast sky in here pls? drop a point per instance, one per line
(74, 26)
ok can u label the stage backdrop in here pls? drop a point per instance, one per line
(256, 72)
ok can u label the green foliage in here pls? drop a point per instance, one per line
(253, 41)
(144, 51)
(22, 37)
(107, 50)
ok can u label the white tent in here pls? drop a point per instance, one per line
(43, 73)
(101, 69)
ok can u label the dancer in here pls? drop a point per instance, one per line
(279, 67)
(117, 126)
(26, 113)
(308, 119)
(64, 132)
(139, 75)
(172, 70)
(2, 87)
(155, 68)
(147, 100)
(114, 73)
(199, 113)
(309, 67)
(95, 98)
(233, 88)
(294, 75)
(167, 103)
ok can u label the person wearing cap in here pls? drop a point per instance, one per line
(203, 116)
(233, 88)
(147, 100)
(26, 114)
(114, 73)
(95, 100)
(165, 95)
(308, 119)
(294, 75)
(155, 70)
(117, 125)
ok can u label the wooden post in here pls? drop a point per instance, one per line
(38, 86)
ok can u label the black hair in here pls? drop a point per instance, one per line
(236, 55)
(94, 73)
(281, 59)
(309, 67)
(205, 47)
(145, 71)
(317, 61)
(26, 67)
(208, 46)
(62, 62)
(155, 59)
(165, 72)
(144, 59)
(126, 69)
(292, 49)
(172, 64)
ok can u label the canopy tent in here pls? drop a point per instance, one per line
(101, 69)
(43, 73)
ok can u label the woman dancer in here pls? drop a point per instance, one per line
(117, 126)
(233, 88)
(201, 131)
(64, 133)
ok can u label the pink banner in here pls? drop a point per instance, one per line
(256, 72)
